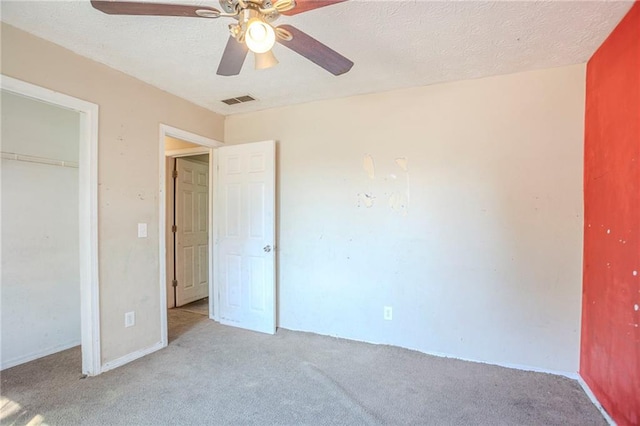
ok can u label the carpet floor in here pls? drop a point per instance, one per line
(216, 375)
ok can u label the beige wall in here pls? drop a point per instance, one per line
(476, 246)
(130, 114)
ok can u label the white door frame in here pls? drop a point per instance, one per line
(88, 212)
(209, 146)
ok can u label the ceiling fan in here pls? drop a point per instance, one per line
(252, 31)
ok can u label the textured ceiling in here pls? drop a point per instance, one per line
(394, 44)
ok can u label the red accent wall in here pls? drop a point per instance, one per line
(610, 344)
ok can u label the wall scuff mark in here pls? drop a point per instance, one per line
(399, 201)
(402, 163)
(369, 166)
(391, 185)
(366, 199)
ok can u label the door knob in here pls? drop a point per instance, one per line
(267, 248)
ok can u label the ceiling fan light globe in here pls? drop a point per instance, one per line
(258, 32)
(265, 60)
(260, 36)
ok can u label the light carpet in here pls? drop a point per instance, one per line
(216, 375)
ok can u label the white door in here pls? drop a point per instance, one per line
(245, 255)
(192, 231)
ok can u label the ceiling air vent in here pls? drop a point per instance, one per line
(238, 100)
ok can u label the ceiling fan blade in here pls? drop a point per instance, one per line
(232, 58)
(315, 51)
(306, 5)
(156, 9)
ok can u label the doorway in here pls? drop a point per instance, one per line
(49, 226)
(188, 229)
(186, 225)
(243, 289)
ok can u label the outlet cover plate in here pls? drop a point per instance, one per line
(388, 313)
(130, 319)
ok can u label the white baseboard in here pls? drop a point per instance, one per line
(570, 375)
(573, 376)
(4, 364)
(595, 401)
(130, 357)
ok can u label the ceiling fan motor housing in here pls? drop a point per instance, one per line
(246, 11)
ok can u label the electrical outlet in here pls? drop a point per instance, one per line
(388, 313)
(130, 319)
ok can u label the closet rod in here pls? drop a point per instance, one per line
(39, 160)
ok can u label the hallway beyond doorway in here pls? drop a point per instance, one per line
(198, 307)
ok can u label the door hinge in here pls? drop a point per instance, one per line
(174, 283)
(174, 174)
(174, 228)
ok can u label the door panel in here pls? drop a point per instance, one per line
(192, 234)
(246, 235)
